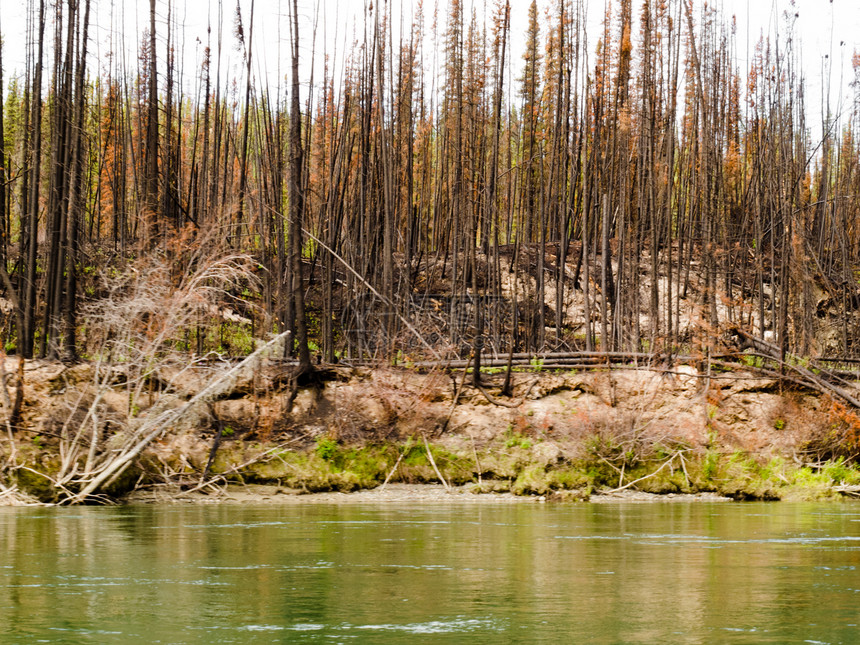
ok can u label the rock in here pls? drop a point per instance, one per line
(375, 410)
(304, 403)
(546, 453)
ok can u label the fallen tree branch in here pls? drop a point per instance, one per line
(853, 491)
(152, 428)
(433, 463)
(503, 404)
(807, 378)
(636, 481)
(391, 472)
(236, 468)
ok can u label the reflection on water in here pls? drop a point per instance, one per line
(682, 573)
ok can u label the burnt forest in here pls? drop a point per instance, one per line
(580, 253)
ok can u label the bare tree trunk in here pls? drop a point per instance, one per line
(236, 230)
(4, 214)
(490, 203)
(75, 198)
(33, 206)
(297, 203)
(605, 268)
(151, 231)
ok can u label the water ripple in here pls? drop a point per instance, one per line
(829, 540)
(435, 626)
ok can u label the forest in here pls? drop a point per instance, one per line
(632, 190)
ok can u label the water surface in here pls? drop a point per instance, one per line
(400, 573)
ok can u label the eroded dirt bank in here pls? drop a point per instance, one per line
(563, 434)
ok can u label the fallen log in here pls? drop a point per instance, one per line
(853, 491)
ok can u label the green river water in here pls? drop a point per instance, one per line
(477, 572)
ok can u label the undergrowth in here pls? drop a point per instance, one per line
(513, 464)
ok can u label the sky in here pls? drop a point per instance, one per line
(828, 33)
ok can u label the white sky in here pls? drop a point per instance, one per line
(821, 26)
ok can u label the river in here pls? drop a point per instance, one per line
(437, 573)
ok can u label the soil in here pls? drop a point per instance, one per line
(257, 433)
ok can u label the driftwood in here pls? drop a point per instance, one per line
(852, 491)
(11, 496)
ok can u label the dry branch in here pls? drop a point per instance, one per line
(137, 439)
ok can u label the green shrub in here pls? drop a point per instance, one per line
(326, 448)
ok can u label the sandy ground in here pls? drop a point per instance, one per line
(390, 494)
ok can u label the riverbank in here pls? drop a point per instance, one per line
(390, 494)
(563, 434)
